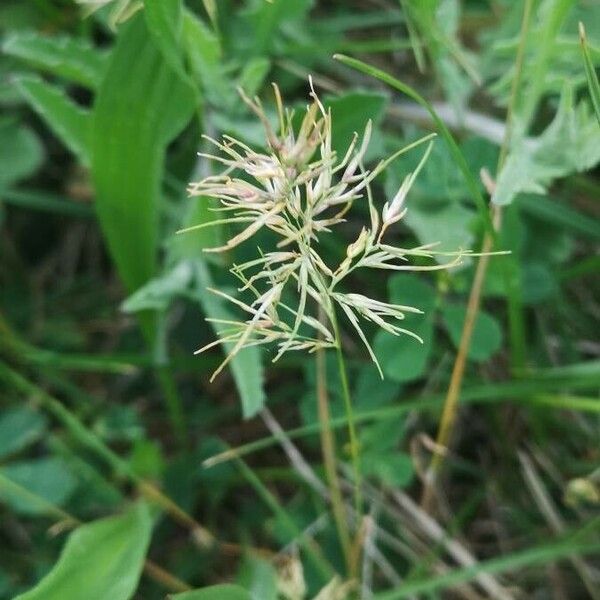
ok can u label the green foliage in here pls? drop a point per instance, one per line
(102, 118)
(164, 21)
(215, 592)
(68, 121)
(590, 73)
(104, 558)
(246, 366)
(404, 358)
(487, 335)
(67, 57)
(350, 113)
(46, 478)
(568, 145)
(128, 199)
(21, 152)
(19, 427)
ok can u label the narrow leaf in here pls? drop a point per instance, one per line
(455, 151)
(47, 478)
(67, 57)
(71, 123)
(544, 553)
(246, 366)
(590, 72)
(19, 427)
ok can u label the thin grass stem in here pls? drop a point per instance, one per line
(352, 435)
(450, 410)
(329, 459)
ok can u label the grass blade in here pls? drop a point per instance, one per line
(590, 72)
(455, 151)
(71, 123)
(537, 555)
(70, 58)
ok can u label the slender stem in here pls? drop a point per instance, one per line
(166, 579)
(329, 461)
(171, 397)
(303, 539)
(508, 131)
(451, 403)
(354, 445)
(449, 413)
(173, 403)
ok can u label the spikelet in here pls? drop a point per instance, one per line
(301, 190)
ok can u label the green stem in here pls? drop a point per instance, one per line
(312, 550)
(451, 404)
(164, 376)
(328, 451)
(354, 445)
(173, 403)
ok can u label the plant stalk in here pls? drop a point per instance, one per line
(352, 435)
(449, 413)
(329, 459)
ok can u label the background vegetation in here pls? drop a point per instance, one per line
(106, 417)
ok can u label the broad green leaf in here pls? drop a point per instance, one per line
(487, 334)
(141, 106)
(568, 145)
(246, 366)
(253, 75)
(71, 123)
(190, 244)
(538, 282)
(349, 115)
(21, 152)
(265, 20)
(215, 592)
(187, 249)
(164, 21)
(101, 560)
(75, 60)
(403, 358)
(19, 427)
(394, 469)
(259, 577)
(449, 226)
(48, 478)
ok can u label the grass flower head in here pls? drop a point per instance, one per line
(300, 189)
